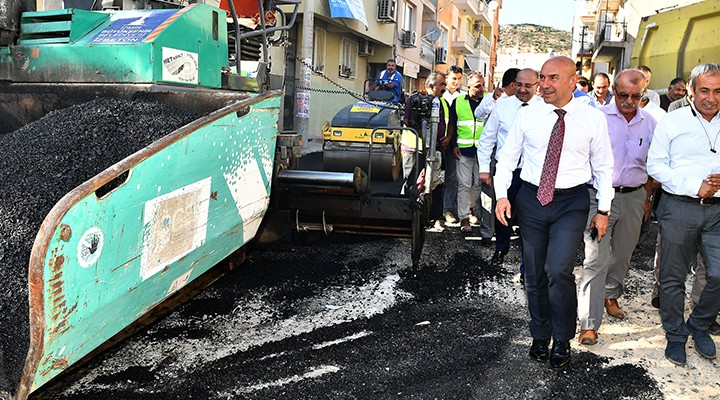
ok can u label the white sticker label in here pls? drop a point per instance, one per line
(90, 246)
(175, 225)
(179, 66)
(178, 283)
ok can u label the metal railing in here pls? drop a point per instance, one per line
(483, 44)
(611, 32)
(427, 52)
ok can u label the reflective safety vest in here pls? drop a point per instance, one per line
(469, 128)
(407, 138)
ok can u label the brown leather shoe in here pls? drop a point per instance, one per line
(588, 337)
(613, 309)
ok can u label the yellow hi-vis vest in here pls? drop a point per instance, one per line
(469, 128)
(408, 138)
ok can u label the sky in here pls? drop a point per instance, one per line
(558, 14)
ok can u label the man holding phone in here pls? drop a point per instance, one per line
(606, 261)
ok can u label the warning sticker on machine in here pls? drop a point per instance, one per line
(90, 246)
(179, 66)
(364, 107)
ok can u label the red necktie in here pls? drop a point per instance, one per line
(546, 189)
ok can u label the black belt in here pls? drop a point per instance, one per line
(688, 199)
(568, 190)
(619, 189)
(626, 189)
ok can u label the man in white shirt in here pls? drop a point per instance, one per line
(507, 89)
(651, 94)
(494, 136)
(684, 158)
(553, 202)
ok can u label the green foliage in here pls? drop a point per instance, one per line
(539, 37)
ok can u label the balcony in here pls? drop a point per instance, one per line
(463, 45)
(427, 51)
(483, 44)
(610, 41)
(611, 32)
(610, 6)
(470, 7)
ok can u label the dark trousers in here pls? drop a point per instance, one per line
(551, 237)
(685, 227)
(502, 232)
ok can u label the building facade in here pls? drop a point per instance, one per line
(421, 35)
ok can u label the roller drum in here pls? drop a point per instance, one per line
(386, 161)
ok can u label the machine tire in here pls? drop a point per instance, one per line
(419, 223)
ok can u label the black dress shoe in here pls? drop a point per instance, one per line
(498, 257)
(560, 355)
(539, 350)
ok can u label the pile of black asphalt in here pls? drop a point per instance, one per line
(40, 163)
(457, 330)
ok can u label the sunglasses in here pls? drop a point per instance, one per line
(635, 96)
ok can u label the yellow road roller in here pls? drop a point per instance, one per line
(347, 139)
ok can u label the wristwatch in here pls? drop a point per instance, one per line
(603, 212)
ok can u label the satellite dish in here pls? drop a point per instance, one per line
(432, 33)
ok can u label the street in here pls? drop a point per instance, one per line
(349, 319)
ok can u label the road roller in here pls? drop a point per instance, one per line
(347, 139)
(112, 204)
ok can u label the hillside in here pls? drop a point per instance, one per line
(539, 37)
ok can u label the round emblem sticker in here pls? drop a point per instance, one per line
(90, 246)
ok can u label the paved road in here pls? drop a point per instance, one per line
(349, 319)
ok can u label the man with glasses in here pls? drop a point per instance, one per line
(493, 139)
(465, 130)
(563, 144)
(606, 261)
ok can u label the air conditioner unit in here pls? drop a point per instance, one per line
(409, 38)
(367, 48)
(440, 55)
(386, 10)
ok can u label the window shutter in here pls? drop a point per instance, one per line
(319, 50)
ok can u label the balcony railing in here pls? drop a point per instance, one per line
(469, 38)
(427, 52)
(483, 44)
(611, 32)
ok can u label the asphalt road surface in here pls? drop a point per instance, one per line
(348, 318)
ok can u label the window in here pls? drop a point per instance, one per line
(348, 59)
(444, 36)
(408, 84)
(408, 17)
(319, 50)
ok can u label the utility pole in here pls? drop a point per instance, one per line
(302, 97)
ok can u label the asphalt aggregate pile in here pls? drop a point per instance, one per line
(40, 163)
(351, 319)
